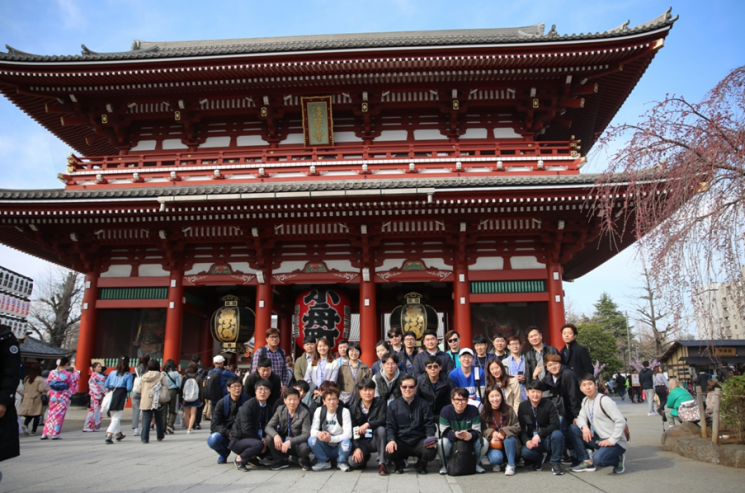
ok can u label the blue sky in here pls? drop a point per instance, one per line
(705, 44)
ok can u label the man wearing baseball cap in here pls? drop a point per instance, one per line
(217, 380)
(468, 377)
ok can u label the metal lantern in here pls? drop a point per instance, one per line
(414, 316)
(322, 312)
(233, 324)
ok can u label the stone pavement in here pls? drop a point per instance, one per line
(183, 463)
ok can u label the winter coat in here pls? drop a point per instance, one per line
(300, 425)
(675, 398)
(347, 383)
(565, 393)
(149, 380)
(31, 405)
(510, 426)
(531, 362)
(10, 373)
(250, 419)
(439, 398)
(222, 422)
(388, 390)
(577, 358)
(375, 416)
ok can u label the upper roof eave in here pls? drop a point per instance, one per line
(144, 50)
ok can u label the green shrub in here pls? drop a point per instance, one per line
(732, 407)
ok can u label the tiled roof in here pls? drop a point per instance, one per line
(305, 186)
(176, 49)
(40, 349)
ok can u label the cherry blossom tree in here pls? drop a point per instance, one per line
(681, 190)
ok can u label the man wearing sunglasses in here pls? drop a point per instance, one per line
(410, 428)
(430, 349)
(452, 342)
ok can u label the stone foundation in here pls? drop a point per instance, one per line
(686, 440)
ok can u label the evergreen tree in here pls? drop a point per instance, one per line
(601, 345)
(609, 318)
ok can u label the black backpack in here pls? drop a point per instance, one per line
(339, 417)
(214, 385)
(462, 460)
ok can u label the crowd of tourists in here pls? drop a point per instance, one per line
(464, 408)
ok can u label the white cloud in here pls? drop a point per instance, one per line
(71, 16)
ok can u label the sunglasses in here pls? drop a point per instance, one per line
(454, 339)
(394, 335)
(408, 387)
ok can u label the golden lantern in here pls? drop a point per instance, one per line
(414, 316)
(233, 324)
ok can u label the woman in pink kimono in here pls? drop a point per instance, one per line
(96, 391)
(62, 385)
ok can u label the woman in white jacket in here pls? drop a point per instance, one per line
(322, 368)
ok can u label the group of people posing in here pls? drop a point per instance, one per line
(461, 404)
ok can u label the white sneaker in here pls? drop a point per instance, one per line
(479, 469)
(137, 432)
(651, 414)
(443, 470)
(497, 468)
(343, 466)
(322, 466)
(509, 471)
(188, 432)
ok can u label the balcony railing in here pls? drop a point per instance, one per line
(332, 163)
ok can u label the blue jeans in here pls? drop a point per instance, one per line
(510, 450)
(219, 443)
(554, 445)
(603, 456)
(323, 451)
(564, 426)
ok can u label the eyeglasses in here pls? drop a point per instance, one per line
(459, 400)
(454, 339)
(432, 367)
(408, 387)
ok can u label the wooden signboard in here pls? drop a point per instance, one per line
(318, 123)
(725, 351)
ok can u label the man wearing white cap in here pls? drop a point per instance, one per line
(216, 380)
(468, 377)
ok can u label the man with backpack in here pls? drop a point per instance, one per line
(460, 422)
(646, 380)
(331, 433)
(217, 380)
(223, 418)
(201, 377)
(276, 355)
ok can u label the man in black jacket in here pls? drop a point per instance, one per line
(430, 349)
(566, 395)
(247, 434)
(574, 355)
(10, 373)
(368, 427)
(263, 372)
(410, 428)
(646, 380)
(223, 418)
(539, 429)
(534, 367)
(434, 386)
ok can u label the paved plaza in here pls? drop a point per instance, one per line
(183, 463)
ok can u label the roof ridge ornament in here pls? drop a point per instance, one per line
(13, 51)
(552, 33)
(88, 52)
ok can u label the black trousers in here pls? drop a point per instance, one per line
(247, 448)
(404, 450)
(301, 451)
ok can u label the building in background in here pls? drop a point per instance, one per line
(719, 310)
(15, 300)
(434, 175)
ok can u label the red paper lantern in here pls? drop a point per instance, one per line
(322, 312)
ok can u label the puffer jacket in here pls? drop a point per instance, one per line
(149, 380)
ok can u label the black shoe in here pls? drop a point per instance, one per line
(567, 459)
(255, 462)
(278, 466)
(421, 467)
(399, 468)
(197, 427)
(120, 437)
(108, 440)
(537, 466)
(556, 469)
(305, 466)
(241, 466)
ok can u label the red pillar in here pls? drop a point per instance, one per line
(174, 317)
(205, 344)
(285, 332)
(369, 332)
(87, 330)
(462, 303)
(555, 303)
(263, 312)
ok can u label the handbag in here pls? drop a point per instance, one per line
(45, 399)
(137, 386)
(688, 411)
(496, 442)
(106, 402)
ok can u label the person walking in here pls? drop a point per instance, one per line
(96, 390)
(31, 406)
(140, 370)
(174, 387)
(646, 379)
(153, 381)
(10, 373)
(62, 384)
(191, 395)
(120, 383)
